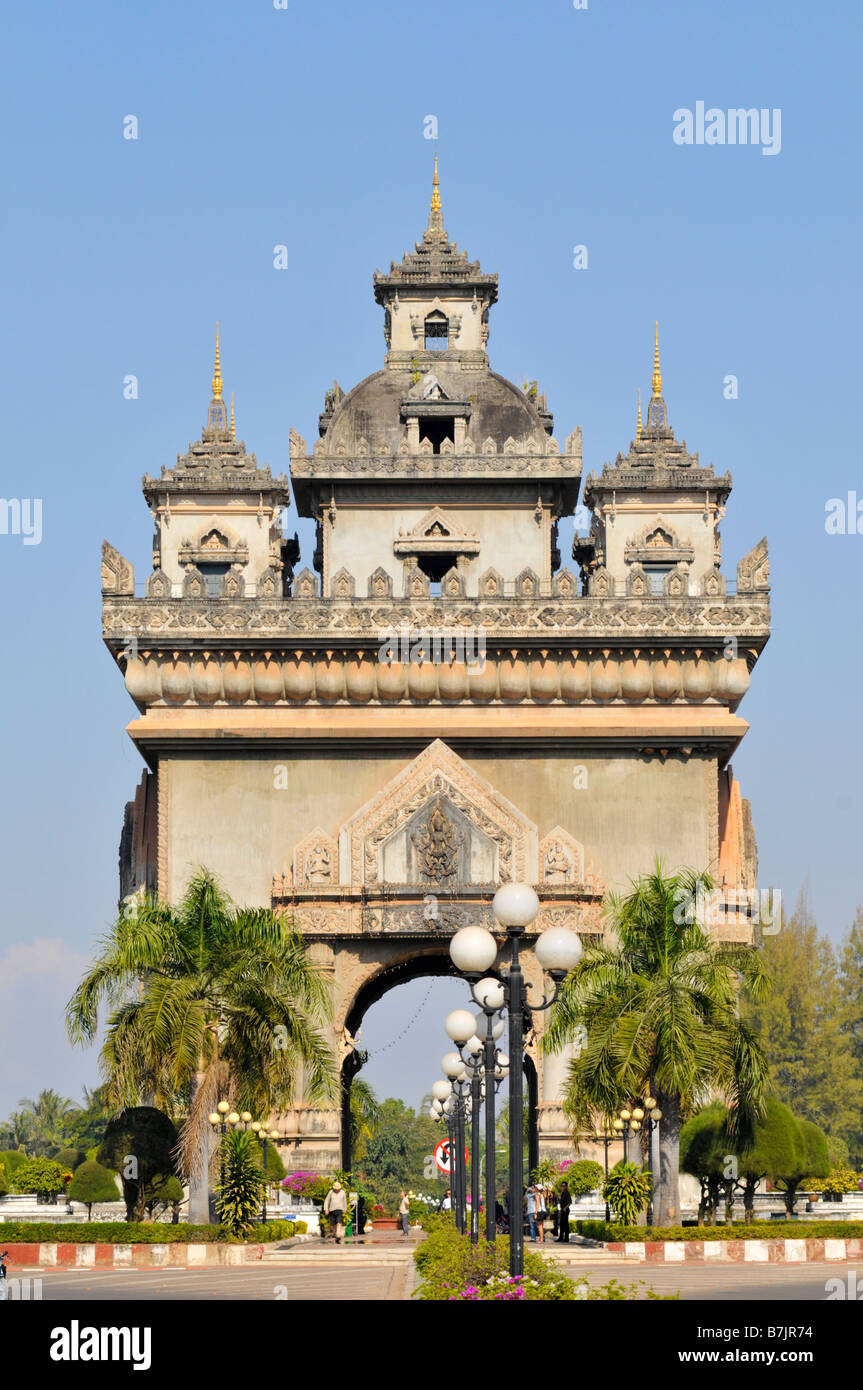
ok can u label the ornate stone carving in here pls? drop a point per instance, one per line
(637, 582)
(561, 858)
(316, 860)
(343, 584)
(158, 585)
(713, 583)
(118, 576)
(437, 843)
(194, 583)
(564, 585)
(438, 773)
(452, 584)
(490, 584)
(380, 584)
(753, 571)
(527, 584)
(233, 584)
(601, 584)
(269, 583)
(305, 584)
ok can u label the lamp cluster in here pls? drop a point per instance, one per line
(476, 1076)
(223, 1119)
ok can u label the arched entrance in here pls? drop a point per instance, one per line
(430, 963)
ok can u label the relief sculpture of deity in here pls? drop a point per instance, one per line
(437, 843)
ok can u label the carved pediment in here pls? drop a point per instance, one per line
(657, 543)
(561, 858)
(753, 571)
(436, 822)
(118, 576)
(434, 533)
(316, 860)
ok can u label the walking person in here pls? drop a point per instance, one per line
(335, 1206)
(564, 1202)
(404, 1212)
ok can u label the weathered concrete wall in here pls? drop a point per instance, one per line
(242, 816)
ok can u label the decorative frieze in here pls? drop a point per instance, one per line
(540, 676)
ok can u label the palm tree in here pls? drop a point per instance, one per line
(658, 998)
(208, 1002)
(364, 1111)
(44, 1122)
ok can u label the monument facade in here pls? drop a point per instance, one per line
(374, 737)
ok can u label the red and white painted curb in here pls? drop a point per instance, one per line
(808, 1250)
(48, 1256)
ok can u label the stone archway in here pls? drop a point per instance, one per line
(413, 964)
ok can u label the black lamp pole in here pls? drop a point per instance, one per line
(475, 1085)
(516, 1002)
(489, 1063)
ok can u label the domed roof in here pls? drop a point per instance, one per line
(375, 410)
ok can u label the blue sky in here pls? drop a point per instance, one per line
(304, 127)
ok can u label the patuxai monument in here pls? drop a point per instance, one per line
(374, 736)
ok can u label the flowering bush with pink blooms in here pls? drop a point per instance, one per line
(310, 1185)
(453, 1270)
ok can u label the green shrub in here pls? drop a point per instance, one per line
(738, 1230)
(69, 1158)
(627, 1189)
(139, 1233)
(454, 1270)
(41, 1176)
(583, 1176)
(240, 1193)
(92, 1183)
(841, 1178)
(12, 1160)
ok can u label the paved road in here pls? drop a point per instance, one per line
(321, 1283)
(735, 1283)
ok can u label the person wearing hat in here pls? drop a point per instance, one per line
(335, 1206)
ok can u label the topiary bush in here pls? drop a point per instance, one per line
(584, 1176)
(91, 1183)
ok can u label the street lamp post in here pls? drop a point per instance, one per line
(640, 1115)
(474, 951)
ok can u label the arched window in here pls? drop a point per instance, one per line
(437, 331)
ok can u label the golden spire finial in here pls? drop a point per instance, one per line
(435, 211)
(638, 419)
(657, 370)
(217, 371)
(233, 426)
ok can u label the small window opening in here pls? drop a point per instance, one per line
(437, 430)
(656, 577)
(213, 574)
(435, 567)
(437, 332)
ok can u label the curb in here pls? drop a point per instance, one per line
(170, 1256)
(803, 1251)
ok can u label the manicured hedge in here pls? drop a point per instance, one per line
(142, 1233)
(757, 1230)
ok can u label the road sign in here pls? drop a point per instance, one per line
(442, 1155)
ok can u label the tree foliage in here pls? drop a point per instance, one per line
(240, 1190)
(140, 1144)
(93, 1183)
(658, 1000)
(206, 1001)
(811, 1024)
